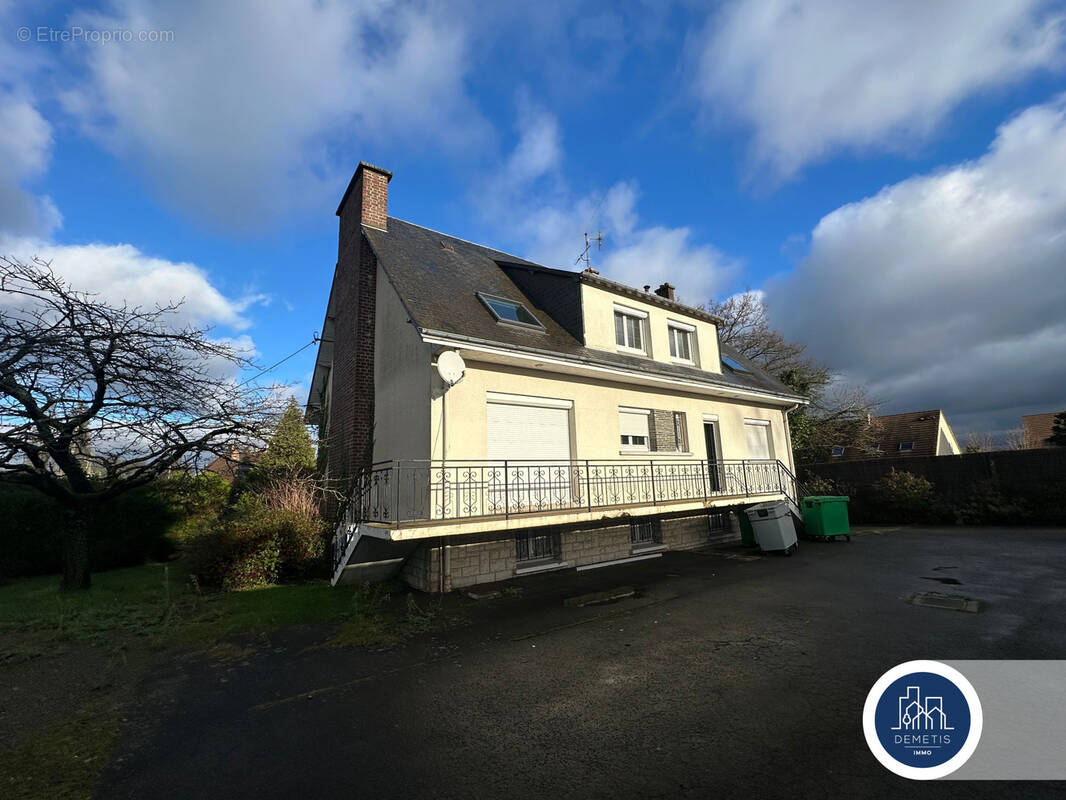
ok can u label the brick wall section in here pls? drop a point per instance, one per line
(592, 547)
(685, 533)
(355, 287)
(661, 428)
(422, 568)
(484, 562)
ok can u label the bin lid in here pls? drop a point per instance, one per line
(770, 510)
(819, 499)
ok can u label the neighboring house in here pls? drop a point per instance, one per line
(1036, 430)
(237, 464)
(915, 433)
(520, 418)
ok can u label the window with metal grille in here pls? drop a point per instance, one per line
(645, 532)
(681, 431)
(536, 546)
(718, 520)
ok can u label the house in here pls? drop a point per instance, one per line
(1037, 429)
(489, 417)
(236, 464)
(912, 434)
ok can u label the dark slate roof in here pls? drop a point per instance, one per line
(1037, 429)
(920, 427)
(437, 278)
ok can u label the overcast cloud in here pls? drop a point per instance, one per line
(948, 290)
(810, 78)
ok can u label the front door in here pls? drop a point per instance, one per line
(713, 476)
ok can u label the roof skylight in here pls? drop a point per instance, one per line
(734, 365)
(509, 312)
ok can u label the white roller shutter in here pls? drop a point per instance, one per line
(633, 423)
(527, 432)
(758, 434)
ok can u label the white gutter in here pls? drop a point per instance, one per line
(434, 337)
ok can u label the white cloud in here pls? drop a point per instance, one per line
(947, 290)
(530, 202)
(122, 273)
(810, 77)
(245, 113)
(25, 153)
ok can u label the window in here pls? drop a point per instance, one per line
(629, 329)
(633, 427)
(536, 546)
(906, 445)
(509, 312)
(733, 365)
(645, 533)
(758, 435)
(680, 341)
(680, 431)
(838, 450)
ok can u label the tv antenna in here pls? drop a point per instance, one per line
(598, 239)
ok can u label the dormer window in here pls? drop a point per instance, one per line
(629, 330)
(838, 450)
(906, 446)
(509, 312)
(681, 341)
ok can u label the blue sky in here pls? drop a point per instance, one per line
(888, 176)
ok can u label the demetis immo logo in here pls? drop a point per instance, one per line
(922, 720)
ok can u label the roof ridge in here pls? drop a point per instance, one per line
(475, 244)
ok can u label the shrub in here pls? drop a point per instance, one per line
(197, 501)
(819, 486)
(904, 497)
(255, 546)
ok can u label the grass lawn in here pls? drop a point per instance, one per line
(154, 603)
(129, 618)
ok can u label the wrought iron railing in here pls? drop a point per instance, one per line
(395, 492)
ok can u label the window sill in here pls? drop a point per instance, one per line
(639, 550)
(683, 362)
(631, 351)
(541, 567)
(655, 453)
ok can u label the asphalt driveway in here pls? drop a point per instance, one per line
(722, 676)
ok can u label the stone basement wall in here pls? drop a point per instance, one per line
(592, 547)
(492, 561)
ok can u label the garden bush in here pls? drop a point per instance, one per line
(256, 546)
(904, 497)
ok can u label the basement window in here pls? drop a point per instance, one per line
(733, 365)
(536, 547)
(509, 312)
(906, 446)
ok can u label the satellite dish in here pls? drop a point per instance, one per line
(450, 367)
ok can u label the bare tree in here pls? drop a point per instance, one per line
(980, 442)
(1016, 440)
(837, 414)
(97, 399)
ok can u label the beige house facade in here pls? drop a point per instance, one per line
(488, 417)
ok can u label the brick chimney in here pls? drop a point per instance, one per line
(666, 290)
(351, 425)
(367, 197)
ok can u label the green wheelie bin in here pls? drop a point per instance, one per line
(747, 533)
(826, 517)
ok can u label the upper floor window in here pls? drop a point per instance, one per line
(633, 427)
(680, 341)
(760, 443)
(509, 312)
(906, 445)
(630, 329)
